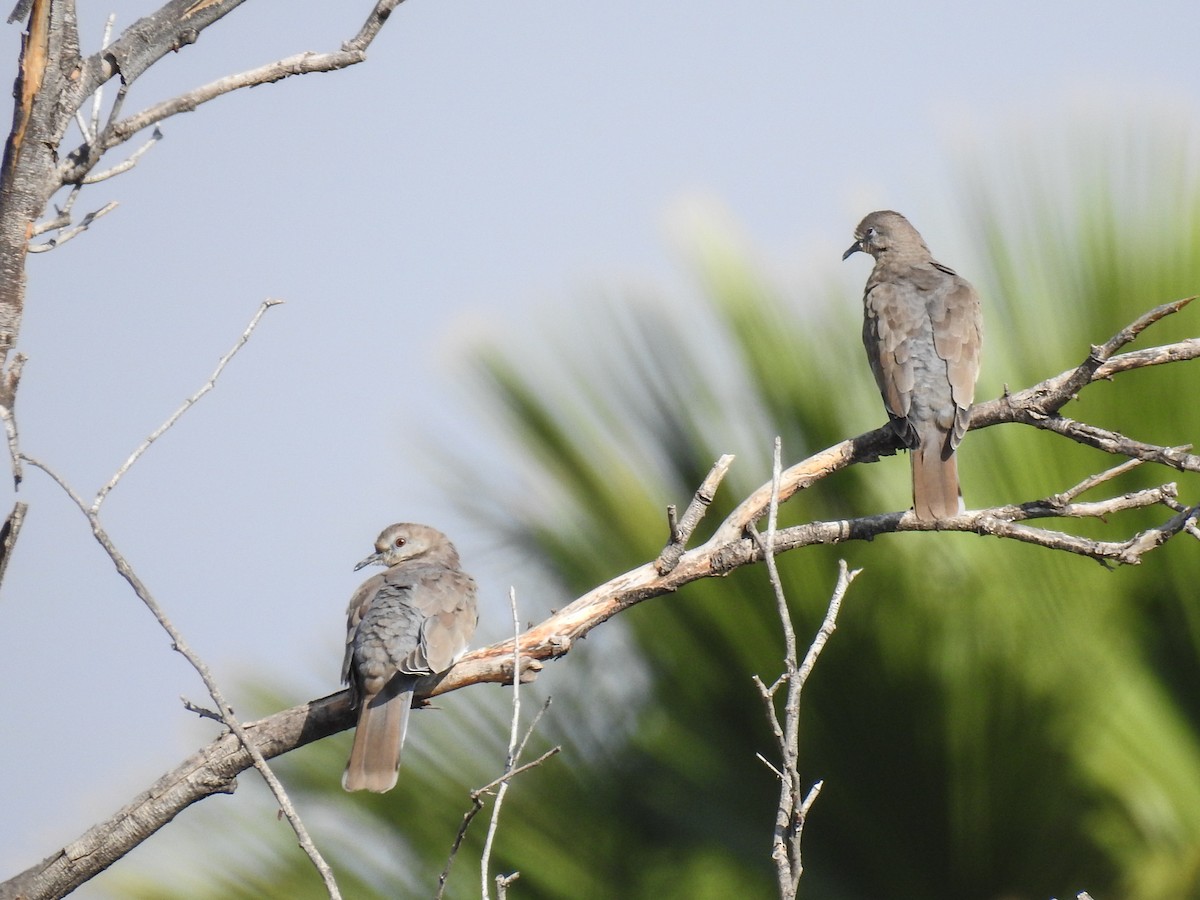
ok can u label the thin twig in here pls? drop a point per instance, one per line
(793, 803)
(681, 530)
(129, 163)
(829, 624)
(511, 761)
(1154, 356)
(459, 837)
(1067, 496)
(81, 122)
(179, 644)
(62, 216)
(202, 711)
(226, 714)
(502, 883)
(478, 794)
(728, 548)
(77, 164)
(519, 770)
(187, 404)
(810, 798)
(79, 229)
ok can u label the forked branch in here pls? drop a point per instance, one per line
(731, 546)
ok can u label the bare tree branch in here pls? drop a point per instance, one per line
(225, 712)
(54, 83)
(681, 531)
(212, 769)
(187, 404)
(793, 806)
(478, 794)
(123, 167)
(68, 233)
(510, 761)
(80, 161)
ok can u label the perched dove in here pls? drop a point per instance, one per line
(414, 619)
(923, 332)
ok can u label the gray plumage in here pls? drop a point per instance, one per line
(414, 619)
(923, 332)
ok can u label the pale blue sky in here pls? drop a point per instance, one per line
(488, 160)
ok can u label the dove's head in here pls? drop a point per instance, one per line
(886, 232)
(407, 540)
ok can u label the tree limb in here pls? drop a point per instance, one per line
(224, 711)
(212, 769)
(53, 84)
(144, 43)
(792, 808)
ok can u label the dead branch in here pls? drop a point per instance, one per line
(184, 407)
(54, 83)
(478, 794)
(516, 748)
(213, 769)
(681, 530)
(224, 712)
(510, 761)
(130, 59)
(794, 803)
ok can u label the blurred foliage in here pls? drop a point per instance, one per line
(990, 719)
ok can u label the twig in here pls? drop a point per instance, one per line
(225, 712)
(63, 214)
(511, 770)
(179, 644)
(478, 794)
(502, 883)
(129, 163)
(681, 531)
(1065, 497)
(794, 804)
(77, 164)
(187, 404)
(1154, 356)
(459, 837)
(785, 844)
(511, 761)
(202, 711)
(519, 770)
(89, 128)
(70, 233)
(727, 549)
(1085, 373)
